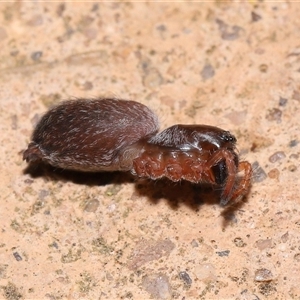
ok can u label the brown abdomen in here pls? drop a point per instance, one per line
(90, 135)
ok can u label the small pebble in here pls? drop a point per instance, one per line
(223, 253)
(274, 173)
(157, 286)
(264, 244)
(296, 95)
(255, 17)
(43, 194)
(152, 79)
(293, 143)
(14, 122)
(237, 117)
(194, 244)
(109, 277)
(111, 208)
(206, 272)
(263, 275)
(161, 27)
(54, 245)
(91, 205)
(36, 55)
(259, 174)
(17, 256)
(285, 237)
(279, 155)
(184, 276)
(282, 101)
(207, 72)
(274, 114)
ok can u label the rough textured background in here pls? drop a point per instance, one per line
(235, 65)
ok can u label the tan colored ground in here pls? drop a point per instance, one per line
(73, 236)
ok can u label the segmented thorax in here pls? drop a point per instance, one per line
(181, 152)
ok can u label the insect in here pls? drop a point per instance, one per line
(122, 135)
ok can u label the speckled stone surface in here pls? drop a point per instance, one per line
(235, 65)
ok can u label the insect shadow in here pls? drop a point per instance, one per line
(195, 196)
(175, 194)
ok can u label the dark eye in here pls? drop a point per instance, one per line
(228, 137)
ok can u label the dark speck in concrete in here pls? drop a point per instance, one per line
(36, 55)
(282, 101)
(255, 17)
(223, 253)
(207, 72)
(17, 256)
(185, 277)
(293, 143)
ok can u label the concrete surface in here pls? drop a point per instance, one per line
(107, 236)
